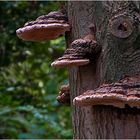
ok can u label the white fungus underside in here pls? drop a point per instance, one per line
(69, 63)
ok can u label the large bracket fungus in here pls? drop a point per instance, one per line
(118, 94)
(46, 27)
(80, 52)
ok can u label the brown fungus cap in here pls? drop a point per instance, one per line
(44, 28)
(126, 91)
(78, 54)
(49, 21)
(55, 15)
(64, 95)
(42, 32)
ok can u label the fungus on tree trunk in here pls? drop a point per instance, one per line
(118, 94)
(64, 95)
(81, 52)
(46, 27)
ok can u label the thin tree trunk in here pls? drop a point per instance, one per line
(119, 57)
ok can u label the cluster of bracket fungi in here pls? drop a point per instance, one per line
(81, 52)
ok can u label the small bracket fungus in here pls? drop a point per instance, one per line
(64, 95)
(121, 26)
(46, 27)
(80, 52)
(126, 91)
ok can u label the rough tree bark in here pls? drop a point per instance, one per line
(119, 57)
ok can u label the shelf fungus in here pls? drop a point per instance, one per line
(46, 27)
(119, 94)
(64, 95)
(81, 51)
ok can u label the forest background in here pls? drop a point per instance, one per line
(28, 84)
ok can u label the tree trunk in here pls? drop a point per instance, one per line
(119, 57)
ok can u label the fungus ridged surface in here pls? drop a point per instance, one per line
(118, 94)
(80, 52)
(64, 95)
(46, 27)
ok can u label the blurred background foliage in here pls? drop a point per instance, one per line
(28, 84)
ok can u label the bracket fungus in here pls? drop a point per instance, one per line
(118, 94)
(64, 95)
(46, 27)
(80, 52)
